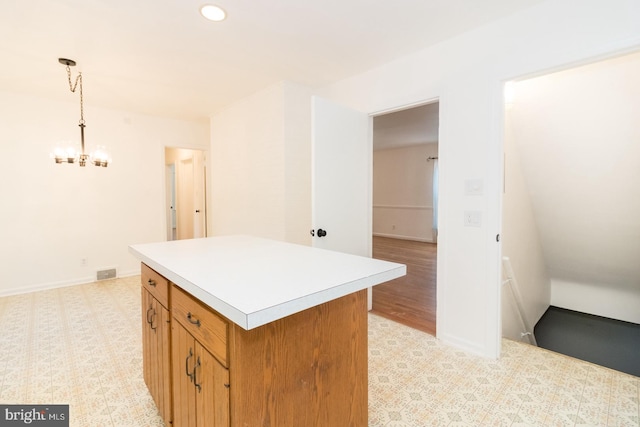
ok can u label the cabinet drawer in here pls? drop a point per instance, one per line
(156, 284)
(207, 327)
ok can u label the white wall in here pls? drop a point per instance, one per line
(403, 192)
(297, 183)
(614, 302)
(54, 216)
(261, 165)
(521, 244)
(466, 74)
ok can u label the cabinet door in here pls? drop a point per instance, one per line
(163, 361)
(183, 351)
(156, 352)
(148, 342)
(212, 390)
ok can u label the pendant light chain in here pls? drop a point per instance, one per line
(73, 87)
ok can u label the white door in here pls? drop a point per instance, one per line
(341, 178)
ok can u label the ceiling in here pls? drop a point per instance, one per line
(578, 135)
(161, 57)
(413, 126)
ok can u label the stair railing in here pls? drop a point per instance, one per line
(517, 297)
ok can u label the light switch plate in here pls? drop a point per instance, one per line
(473, 187)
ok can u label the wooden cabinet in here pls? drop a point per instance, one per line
(200, 380)
(156, 350)
(306, 369)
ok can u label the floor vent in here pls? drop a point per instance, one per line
(106, 274)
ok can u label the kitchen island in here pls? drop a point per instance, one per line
(244, 331)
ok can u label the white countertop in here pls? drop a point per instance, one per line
(254, 281)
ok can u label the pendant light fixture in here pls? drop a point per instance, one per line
(69, 155)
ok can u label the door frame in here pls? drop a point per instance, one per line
(170, 196)
(205, 184)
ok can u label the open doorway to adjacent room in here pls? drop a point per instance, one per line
(405, 226)
(185, 183)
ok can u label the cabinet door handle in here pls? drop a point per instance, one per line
(195, 381)
(193, 320)
(186, 366)
(148, 315)
(151, 315)
(153, 318)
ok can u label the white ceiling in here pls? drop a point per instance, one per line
(578, 135)
(161, 57)
(413, 126)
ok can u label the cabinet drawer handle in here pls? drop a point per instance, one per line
(151, 282)
(186, 366)
(194, 321)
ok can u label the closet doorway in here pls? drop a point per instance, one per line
(405, 225)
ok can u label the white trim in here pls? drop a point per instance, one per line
(405, 107)
(61, 284)
(466, 345)
(403, 207)
(402, 237)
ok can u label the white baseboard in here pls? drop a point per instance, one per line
(465, 345)
(401, 237)
(55, 285)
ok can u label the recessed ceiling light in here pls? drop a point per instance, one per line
(213, 13)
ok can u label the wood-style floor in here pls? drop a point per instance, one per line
(410, 300)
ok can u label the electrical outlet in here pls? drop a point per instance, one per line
(472, 218)
(84, 262)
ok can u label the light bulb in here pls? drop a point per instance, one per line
(100, 157)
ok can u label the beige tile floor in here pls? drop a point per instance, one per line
(81, 346)
(415, 380)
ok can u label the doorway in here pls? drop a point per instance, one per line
(570, 205)
(405, 193)
(185, 183)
